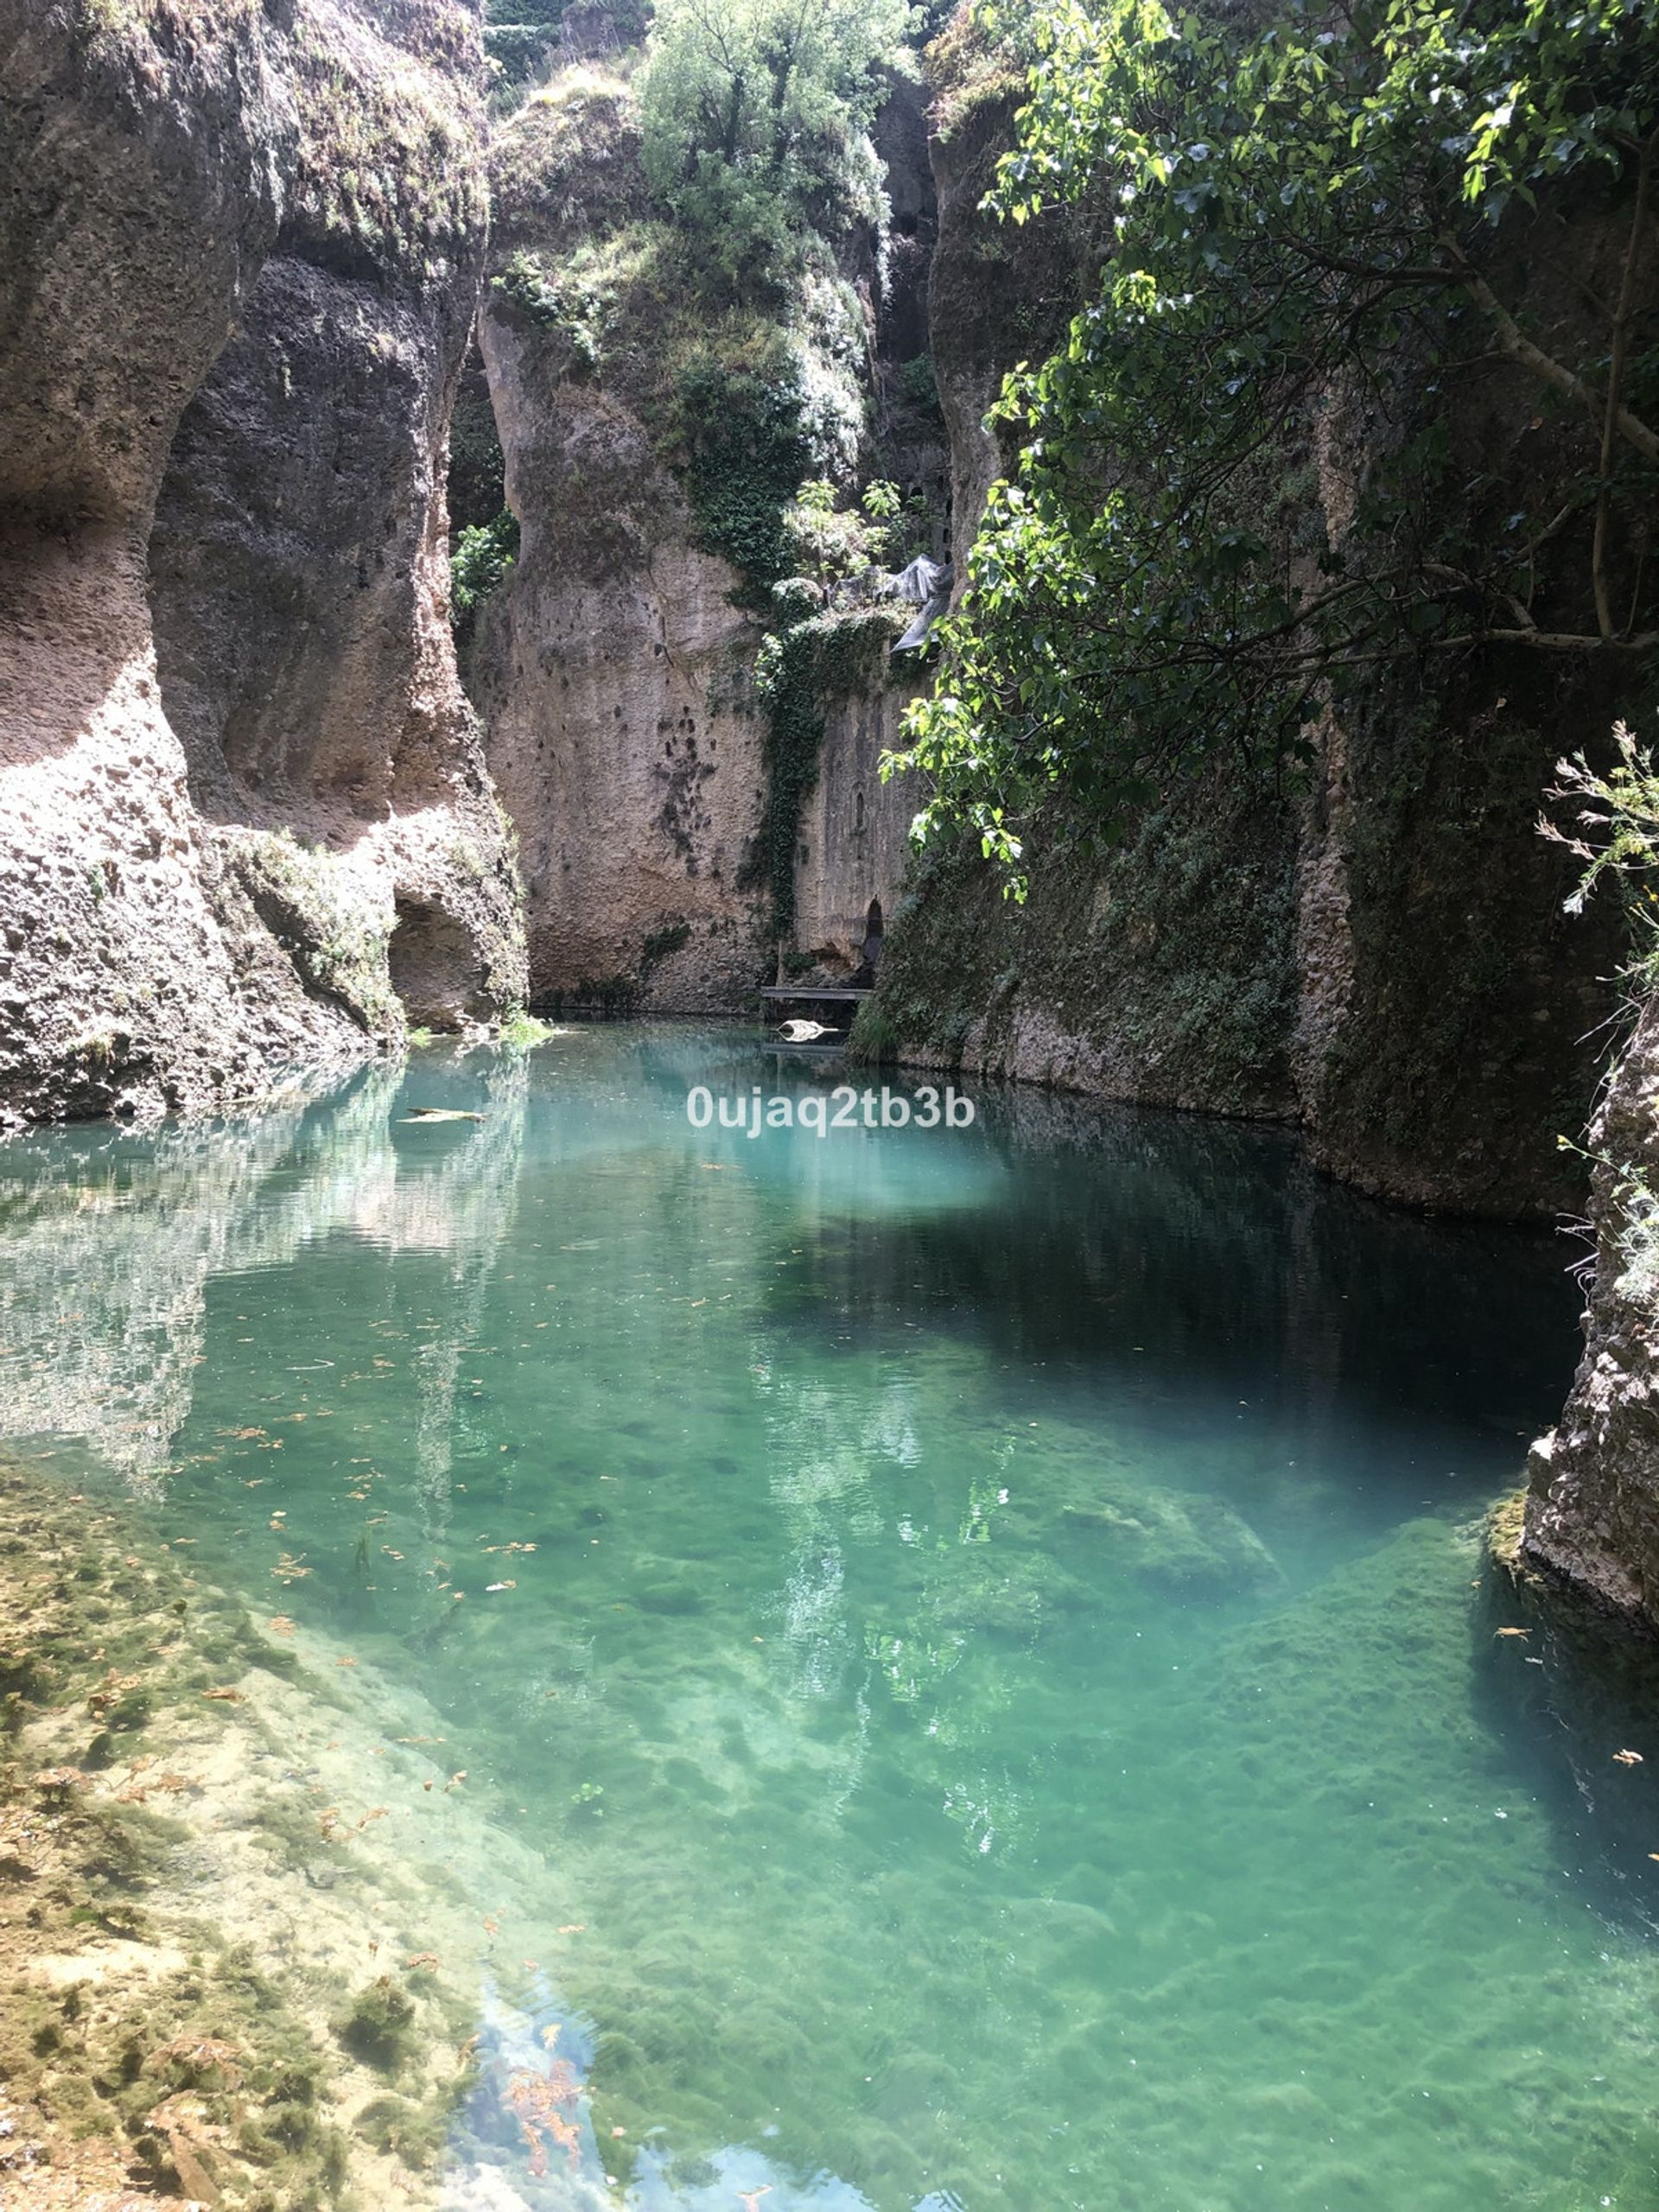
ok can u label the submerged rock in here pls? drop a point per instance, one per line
(225, 1974)
(1170, 1544)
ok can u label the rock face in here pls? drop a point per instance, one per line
(853, 844)
(299, 580)
(1380, 954)
(166, 940)
(615, 675)
(616, 665)
(1592, 1499)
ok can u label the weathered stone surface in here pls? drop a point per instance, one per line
(299, 577)
(1383, 957)
(614, 673)
(1593, 1501)
(148, 161)
(615, 666)
(852, 847)
(139, 191)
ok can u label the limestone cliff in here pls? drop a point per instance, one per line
(677, 829)
(1592, 1503)
(1375, 949)
(203, 855)
(615, 676)
(853, 833)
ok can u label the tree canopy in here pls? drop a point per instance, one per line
(1309, 205)
(754, 114)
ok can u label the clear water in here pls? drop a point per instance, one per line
(997, 1654)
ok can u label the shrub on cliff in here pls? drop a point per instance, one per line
(754, 115)
(483, 554)
(1309, 211)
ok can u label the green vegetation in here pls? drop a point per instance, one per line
(416, 2133)
(873, 1040)
(1613, 826)
(522, 37)
(1171, 956)
(483, 553)
(918, 388)
(336, 938)
(832, 543)
(973, 62)
(755, 115)
(742, 435)
(567, 305)
(375, 2027)
(661, 945)
(1307, 211)
(522, 1029)
(518, 35)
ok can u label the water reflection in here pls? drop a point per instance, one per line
(110, 1241)
(970, 1617)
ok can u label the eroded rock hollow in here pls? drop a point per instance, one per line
(235, 759)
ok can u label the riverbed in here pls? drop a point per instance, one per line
(981, 1617)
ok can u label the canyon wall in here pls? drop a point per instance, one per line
(615, 674)
(649, 442)
(1375, 948)
(1593, 1501)
(852, 837)
(207, 852)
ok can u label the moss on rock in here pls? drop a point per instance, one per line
(149, 2047)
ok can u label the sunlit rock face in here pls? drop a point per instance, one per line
(615, 666)
(613, 669)
(1593, 1500)
(163, 945)
(852, 847)
(615, 677)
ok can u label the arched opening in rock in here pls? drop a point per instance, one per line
(435, 969)
(870, 951)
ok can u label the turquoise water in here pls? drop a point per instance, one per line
(990, 1634)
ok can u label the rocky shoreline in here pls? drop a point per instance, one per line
(266, 1947)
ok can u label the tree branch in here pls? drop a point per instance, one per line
(1520, 348)
(1615, 368)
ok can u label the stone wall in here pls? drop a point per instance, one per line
(854, 848)
(615, 676)
(1593, 1501)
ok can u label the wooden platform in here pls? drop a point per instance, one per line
(775, 991)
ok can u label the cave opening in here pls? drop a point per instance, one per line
(434, 967)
